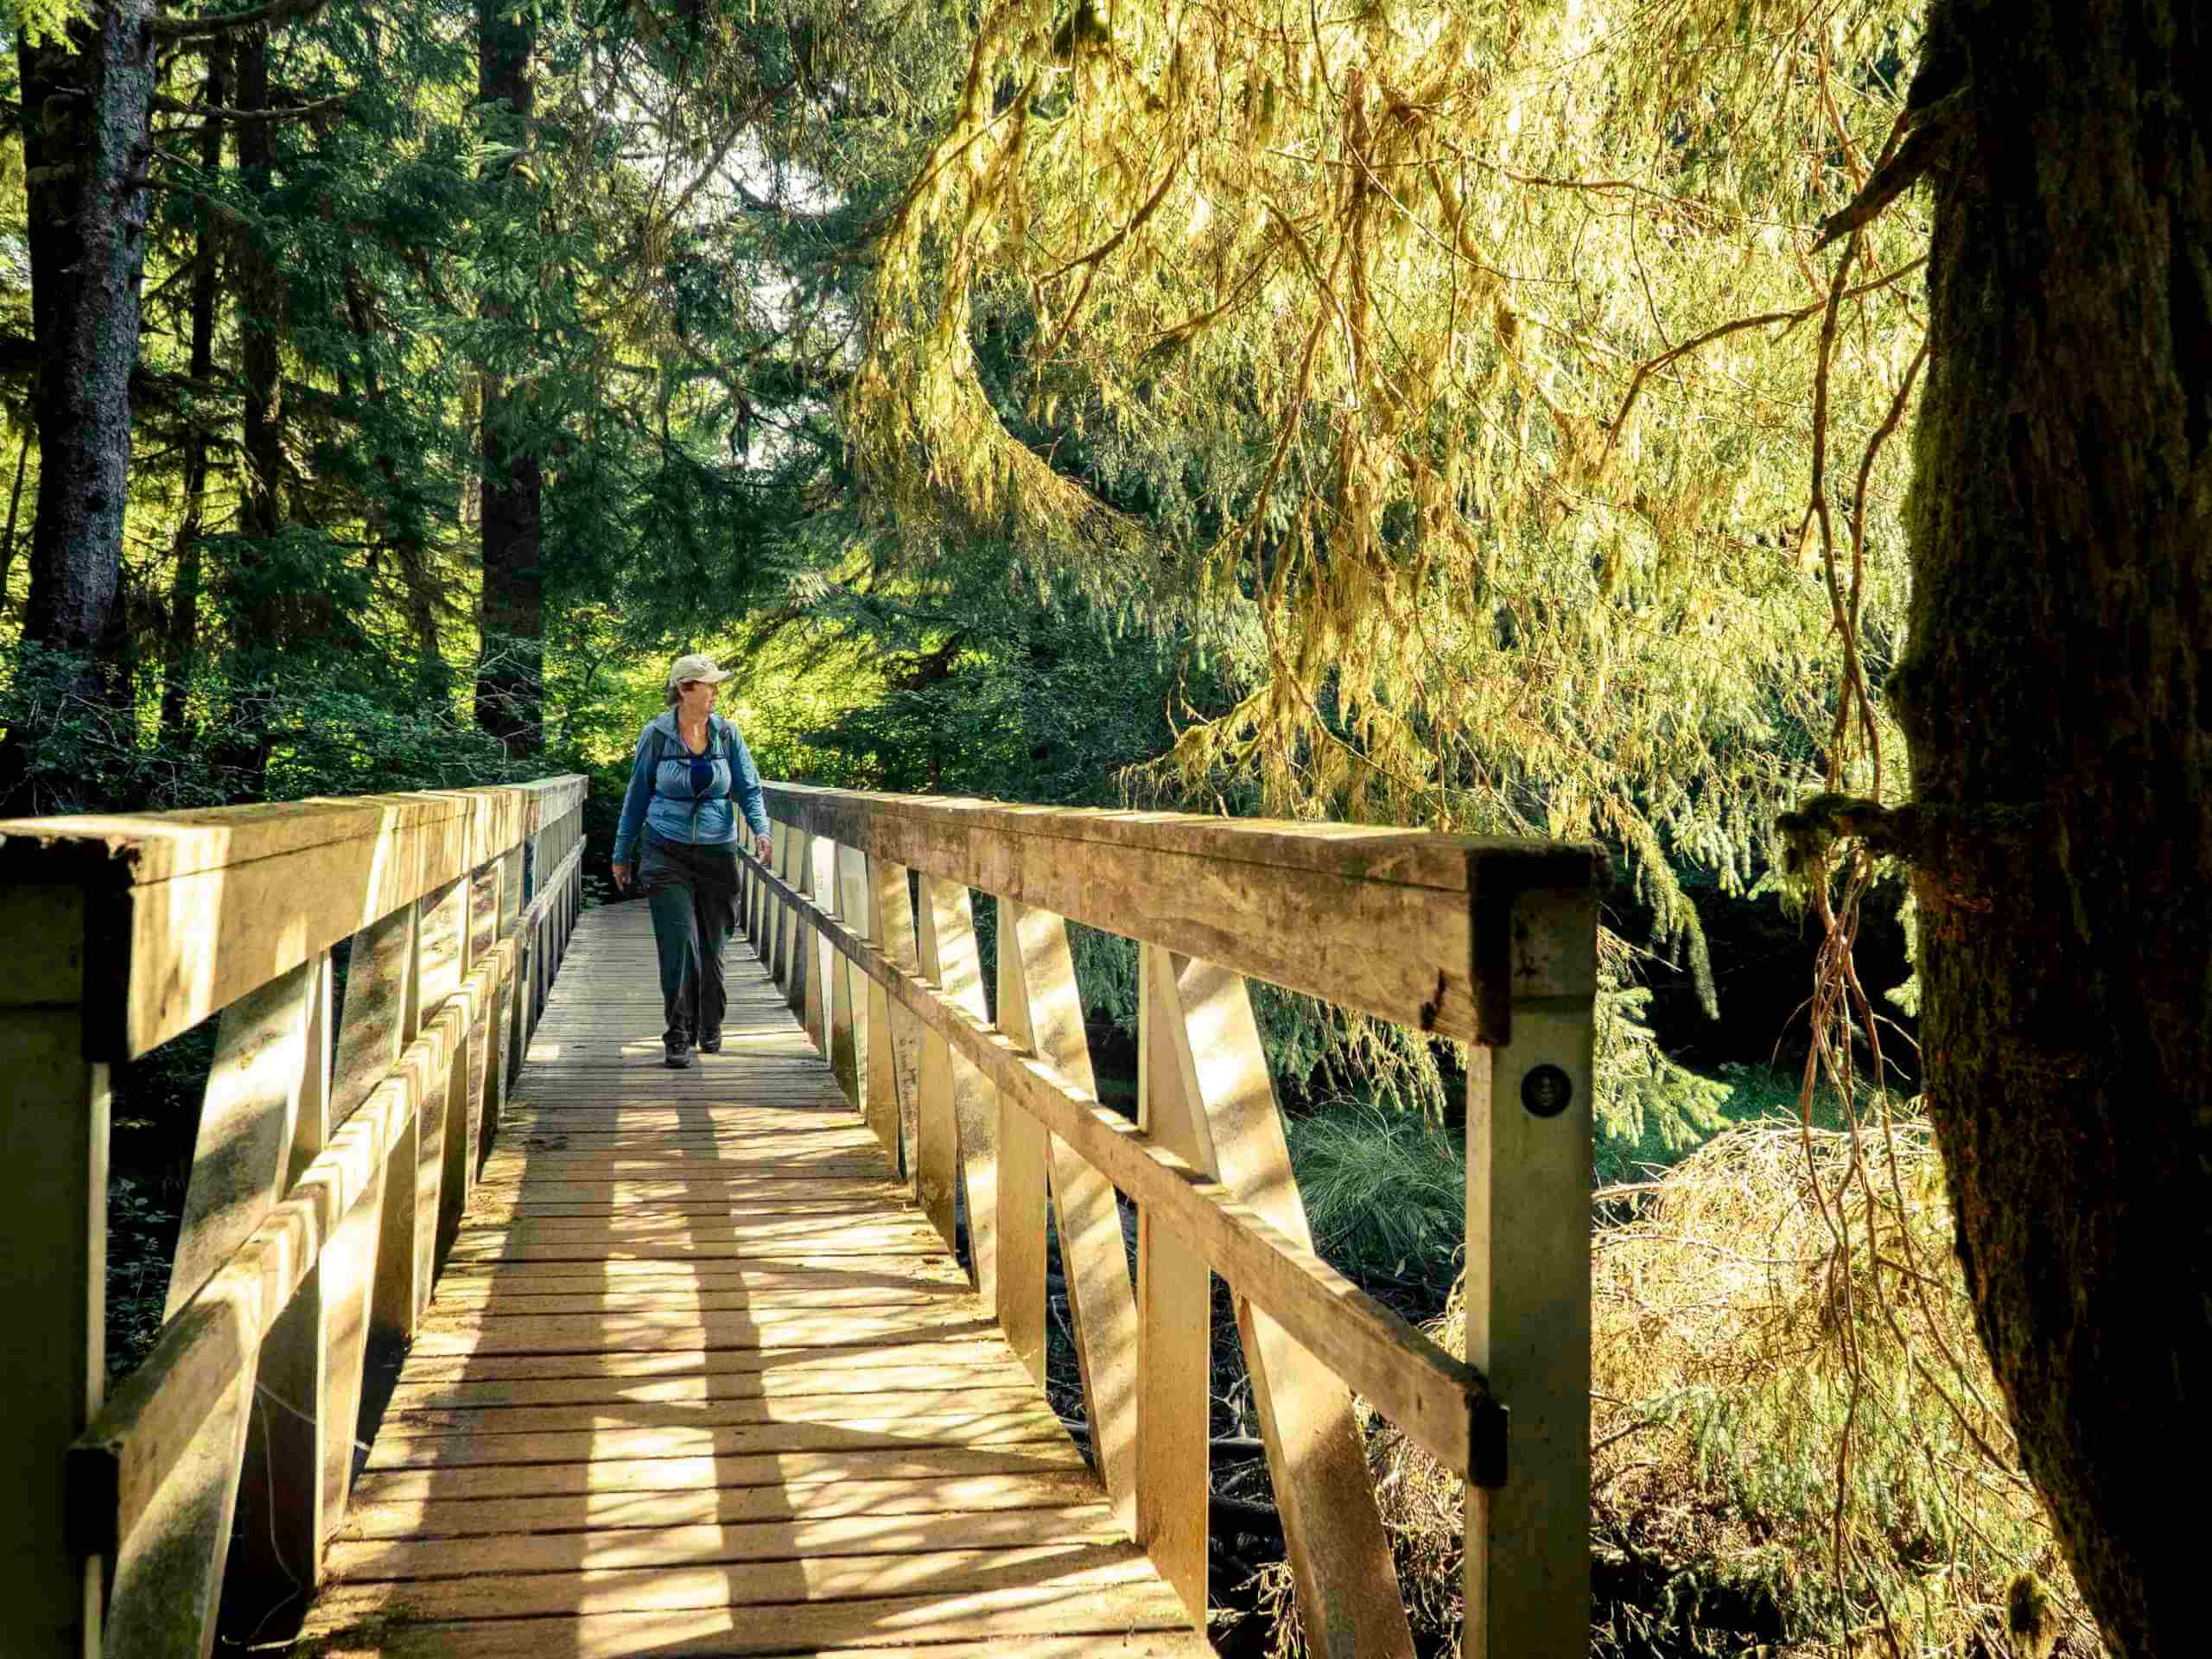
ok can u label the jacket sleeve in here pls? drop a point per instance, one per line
(745, 782)
(635, 799)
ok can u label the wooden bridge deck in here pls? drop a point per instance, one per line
(699, 1380)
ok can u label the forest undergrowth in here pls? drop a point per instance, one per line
(1731, 1513)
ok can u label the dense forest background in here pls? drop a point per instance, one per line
(1441, 415)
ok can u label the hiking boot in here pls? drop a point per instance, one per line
(711, 1042)
(677, 1048)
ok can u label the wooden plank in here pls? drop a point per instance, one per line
(1370, 918)
(1339, 1555)
(692, 1472)
(658, 1548)
(968, 1495)
(1174, 1310)
(53, 1182)
(1005, 1398)
(909, 1429)
(1006, 1629)
(559, 1333)
(942, 1575)
(778, 1359)
(1021, 1171)
(1094, 1255)
(1528, 1288)
(688, 1298)
(799, 1387)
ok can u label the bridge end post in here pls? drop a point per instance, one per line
(1529, 1087)
(52, 1190)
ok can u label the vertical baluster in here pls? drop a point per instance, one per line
(951, 958)
(846, 1010)
(852, 983)
(1093, 1253)
(819, 877)
(1339, 1557)
(891, 924)
(756, 900)
(1528, 1290)
(1022, 1177)
(791, 932)
(1174, 1309)
(882, 1079)
(779, 921)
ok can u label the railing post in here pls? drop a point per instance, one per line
(819, 883)
(958, 1109)
(1527, 1292)
(54, 1188)
(891, 924)
(852, 1025)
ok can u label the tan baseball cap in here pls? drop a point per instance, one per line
(694, 667)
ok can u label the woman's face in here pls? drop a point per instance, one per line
(696, 697)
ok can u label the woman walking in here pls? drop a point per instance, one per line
(692, 777)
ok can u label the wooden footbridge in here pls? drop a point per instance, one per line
(690, 1366)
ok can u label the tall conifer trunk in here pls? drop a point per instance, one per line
(261, 294)
(184, 591)
(510, 676)
(2057, 697)
(86, 98)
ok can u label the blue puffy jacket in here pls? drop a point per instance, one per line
(661, 795)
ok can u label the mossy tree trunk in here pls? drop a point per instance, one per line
(2057, 697)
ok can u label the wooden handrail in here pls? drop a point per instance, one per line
(332, 1161)
(864, 917)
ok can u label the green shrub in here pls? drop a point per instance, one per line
(1386, 1191)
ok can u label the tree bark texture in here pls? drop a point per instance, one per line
(2057, 694)
(510, 676)
(86, 103)
(184, 591)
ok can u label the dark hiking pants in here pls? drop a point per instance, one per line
(692, 890)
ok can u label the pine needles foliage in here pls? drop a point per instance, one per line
(1732, 1344)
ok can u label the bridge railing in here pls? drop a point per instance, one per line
(866, 919)
(337, 1141)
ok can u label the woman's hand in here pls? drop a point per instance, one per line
(765, 849)
(621, 875)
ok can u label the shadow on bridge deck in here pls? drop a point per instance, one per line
(699, 1379)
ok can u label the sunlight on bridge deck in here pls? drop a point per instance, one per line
(701, 1379)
